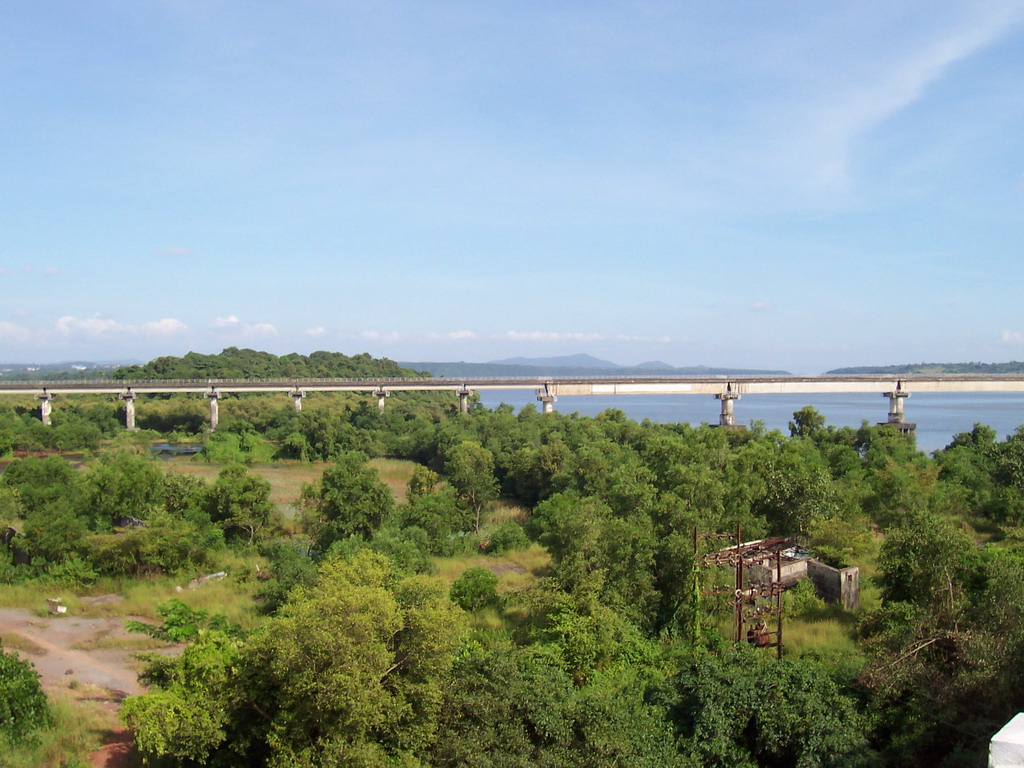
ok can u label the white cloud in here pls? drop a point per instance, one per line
(93, 327)
(174, 250)
(762, 306)
(371, 335)
(547, 336)
(3, 270)
(50, 271)
(1011, 337)
(259, 329)
(318, 331)
(664, 339)
(899, 84)
(226, 322)
(14, 333)
(168, 326)
(454, 335)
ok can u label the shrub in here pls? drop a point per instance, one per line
(23, 706)
(476, 588)
(508, 538)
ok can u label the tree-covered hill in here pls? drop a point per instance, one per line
(928, 368)
(235, 363)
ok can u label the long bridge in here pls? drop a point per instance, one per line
(726, 389)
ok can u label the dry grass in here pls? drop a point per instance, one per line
(79, 727)
(502, 511)
(514, 570)
(119, 642)
(396, 474)
(286, 478)
(12, 642)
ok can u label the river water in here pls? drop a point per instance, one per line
(938, 416)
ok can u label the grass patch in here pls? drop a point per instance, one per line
(13, 642)
(502, 511)
(514, 569)
(32, 597)
(79, 727)
(120, 642)
(396, 474)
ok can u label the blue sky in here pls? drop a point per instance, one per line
(795, 185)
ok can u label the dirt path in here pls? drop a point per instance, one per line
(67, 648)
(53, 645)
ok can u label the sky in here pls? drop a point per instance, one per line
(794, 185)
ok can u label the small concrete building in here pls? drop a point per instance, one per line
(1006, 750)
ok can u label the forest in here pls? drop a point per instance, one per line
(525, 593)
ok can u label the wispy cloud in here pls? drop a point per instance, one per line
(93, 327)
(50, 271)
(378, 336)
(762, 306)
(1011, 337)
(174, 250)
(547, 336)
(886, 90)
(318, 331)
(453, 335)
(168, 326)
(233, 323)
(14, 333)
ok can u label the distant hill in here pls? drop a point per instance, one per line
(234, 363)
(564, 361)
(927, 368)
(66, 371)
(553, 366)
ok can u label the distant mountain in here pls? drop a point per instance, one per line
(501, 369)
(565, 361)
(63, 371)
(929, 368)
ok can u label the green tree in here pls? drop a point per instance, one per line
(348, 500)
(239, 502)
(470, 470)
(23, 705)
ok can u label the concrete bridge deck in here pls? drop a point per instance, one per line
(725, 388)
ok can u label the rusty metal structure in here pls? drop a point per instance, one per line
(755, 605)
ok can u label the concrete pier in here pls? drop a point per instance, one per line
(45, 407)
(214, 396)
(382, 395)
(297, 396)
(727, 418)
(896, 417)
(464, 394)
(547, 401)
(129, 410)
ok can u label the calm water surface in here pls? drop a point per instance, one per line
(938, 416)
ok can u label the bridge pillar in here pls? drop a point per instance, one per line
(381, 396)
(129, 410)
(297, 396)
(45, 407)
(896, 415)
(547, 400)
(214, 397)
(464, 394)
(727, 418)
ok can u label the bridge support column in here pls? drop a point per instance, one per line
(129, 410)
(547, 401)
(45, 407)
(381, 397)
(727, 418)
(297, 396)
(896, 417)
(214, 397)
(464, 394)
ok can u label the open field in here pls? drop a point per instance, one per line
(286, 478)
